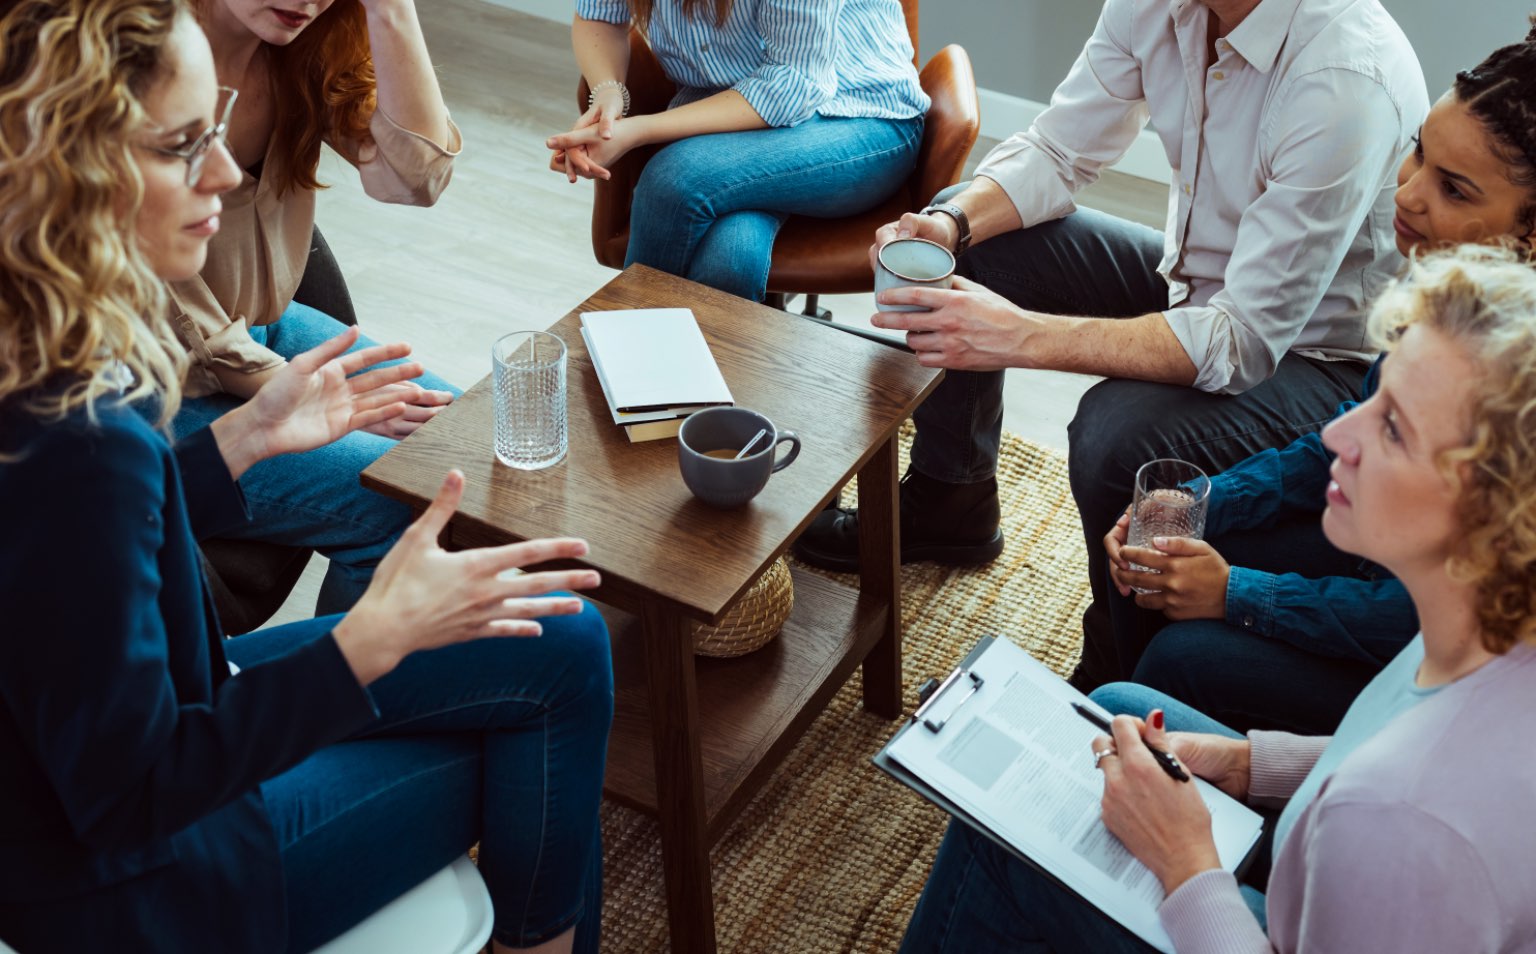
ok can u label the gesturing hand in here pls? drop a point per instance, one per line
(1190, 577)
(1162, 822)
(311, 401)
(969, 327)
(423, 596)
(421, 405)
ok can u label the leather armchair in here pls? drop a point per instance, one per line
(811, 256)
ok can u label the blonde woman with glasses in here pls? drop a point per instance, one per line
(165, 790)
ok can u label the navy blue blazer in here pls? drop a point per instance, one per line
(129, 756)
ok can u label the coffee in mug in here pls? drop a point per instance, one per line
(707, 445)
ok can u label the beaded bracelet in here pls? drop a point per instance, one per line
(605, 84)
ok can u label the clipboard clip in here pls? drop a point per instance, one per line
(933, 724)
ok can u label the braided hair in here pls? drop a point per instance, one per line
(1501, 92)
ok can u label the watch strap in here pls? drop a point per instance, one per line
(962, 223)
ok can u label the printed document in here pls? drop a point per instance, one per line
(1017, 758)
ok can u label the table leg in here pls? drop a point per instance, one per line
(880, 577)
(679, 779)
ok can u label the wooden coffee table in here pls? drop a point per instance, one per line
(694, 738)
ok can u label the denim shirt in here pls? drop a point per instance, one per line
(1367, 618)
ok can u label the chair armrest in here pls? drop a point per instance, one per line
(954, 122)
(649, 92)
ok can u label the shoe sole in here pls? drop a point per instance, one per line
(970, 554)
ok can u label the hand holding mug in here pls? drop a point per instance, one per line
(937, 228)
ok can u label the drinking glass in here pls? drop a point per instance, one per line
(1170, 501)
(529, 387)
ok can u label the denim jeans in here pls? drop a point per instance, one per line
(500, 741)
(1090, 263)
(314, 499)
(1243, 678)
(981, 898)
(708, 207)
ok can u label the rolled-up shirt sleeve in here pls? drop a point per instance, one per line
(604, 11)
(214, 339)
(1093, 118)
(798, 74)
(403, 167)
(1330, 142)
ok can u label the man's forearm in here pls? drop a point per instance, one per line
(1142, 348)
(988, 209)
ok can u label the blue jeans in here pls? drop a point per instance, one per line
(314, 499)
(708, 207)
(981, 898)
(500, 741)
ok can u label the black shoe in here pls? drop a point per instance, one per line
(953, 524)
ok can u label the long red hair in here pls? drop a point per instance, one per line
(640, 10)
(324, 88)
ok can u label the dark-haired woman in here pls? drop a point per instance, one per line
(1264, 625)
(784, 107)
(354, 74)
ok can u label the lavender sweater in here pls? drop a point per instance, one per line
(1418, 838)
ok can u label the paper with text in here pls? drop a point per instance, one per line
(1018, 759)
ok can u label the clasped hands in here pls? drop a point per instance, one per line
(968, 326)
(600, 138)
(1165, 823)
(1188, 577)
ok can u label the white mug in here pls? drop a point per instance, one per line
(912, 261)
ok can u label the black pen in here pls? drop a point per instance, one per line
(1168, 761)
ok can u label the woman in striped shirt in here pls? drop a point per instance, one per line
(784, 107)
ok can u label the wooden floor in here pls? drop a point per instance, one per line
(508, 246)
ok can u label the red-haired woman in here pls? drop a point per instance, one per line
(353, 74)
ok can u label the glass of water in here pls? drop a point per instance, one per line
(1170, 501)
(529, 385)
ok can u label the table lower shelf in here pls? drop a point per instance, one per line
(752, 708)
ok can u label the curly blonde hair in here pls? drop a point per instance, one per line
(1484, 299)
(79, 301)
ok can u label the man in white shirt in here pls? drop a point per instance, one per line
(1240, 327)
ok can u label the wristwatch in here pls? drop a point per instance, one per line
(963, 240)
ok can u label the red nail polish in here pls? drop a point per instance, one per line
(1157, 719)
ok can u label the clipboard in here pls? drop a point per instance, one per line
(936, 710)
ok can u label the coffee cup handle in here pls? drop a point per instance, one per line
(794, 450)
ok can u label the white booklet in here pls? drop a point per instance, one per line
(1000, 747)
(653, 360)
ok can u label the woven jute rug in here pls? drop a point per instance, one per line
(832, 854)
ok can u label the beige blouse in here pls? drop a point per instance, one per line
(257, 257)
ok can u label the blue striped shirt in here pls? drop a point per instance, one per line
(790, 59)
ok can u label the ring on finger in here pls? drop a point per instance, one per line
(1102, 754)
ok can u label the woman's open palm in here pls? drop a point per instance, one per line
(319, 397)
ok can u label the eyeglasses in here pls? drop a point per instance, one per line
(195, 154)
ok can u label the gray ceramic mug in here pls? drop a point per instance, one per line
(912, 261)
(711, 437)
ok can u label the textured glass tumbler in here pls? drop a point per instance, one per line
(529, 370)
(1170, 501)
